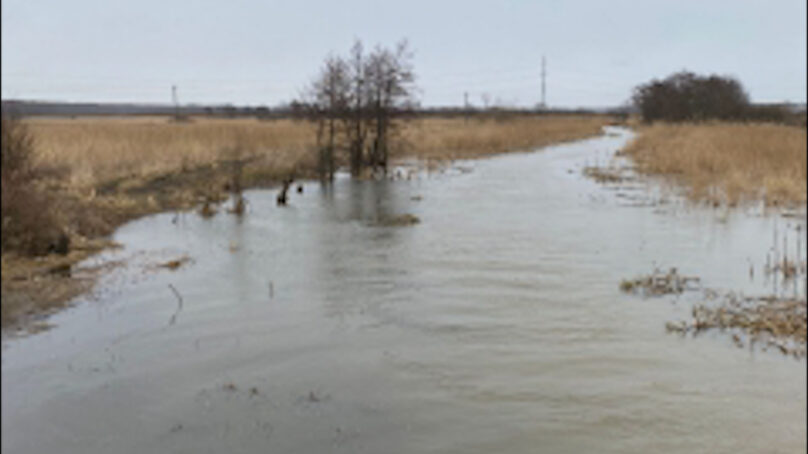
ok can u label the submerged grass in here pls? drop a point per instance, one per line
(770, 321)
(727, 163)
(659, 283)
(777, 321)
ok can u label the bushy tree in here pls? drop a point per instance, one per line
(686, 96)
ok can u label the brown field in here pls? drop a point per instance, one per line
(92, 151)
(725, 163)
(101, 172)
(458, 139)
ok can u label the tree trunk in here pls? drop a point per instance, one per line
(330, 151)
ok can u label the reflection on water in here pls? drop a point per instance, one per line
(494, 325)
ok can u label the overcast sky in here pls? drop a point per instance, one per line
(263, 52)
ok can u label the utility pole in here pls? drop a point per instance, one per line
(466, 105)
(176, 102)
(543, 86)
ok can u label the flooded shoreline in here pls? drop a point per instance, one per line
(496, 323)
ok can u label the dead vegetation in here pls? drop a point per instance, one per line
(29, 222)
(175, 263)
(95, 151)
(768, 321)
(450, 139)
(777, 321)
(36, 286)
(727, 163)
(608, 174)
(659, 283)
(399, 221)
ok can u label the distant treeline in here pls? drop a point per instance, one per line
(291, 110)
(38, 108)
(778, 112)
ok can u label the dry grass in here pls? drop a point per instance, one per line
(438, 138)
(727, 162)
(124, 167)
(33, 286)
(91, 151)
(95, 150)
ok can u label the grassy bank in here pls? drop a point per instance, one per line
(727, 163)
(90, 152)
(98, 173)
(458, 139)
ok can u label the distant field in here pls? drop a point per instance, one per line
(92, 150)
(727, 162)
(459, 139)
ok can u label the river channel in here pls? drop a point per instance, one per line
(496, 324)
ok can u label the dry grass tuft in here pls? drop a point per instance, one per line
(727, 162)
(775, 322)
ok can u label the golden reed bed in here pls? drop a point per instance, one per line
(93, 150)
(727, 162)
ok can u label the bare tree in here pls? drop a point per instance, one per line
(329, 103)
(391, 82)
(356, 122)
(356, 103)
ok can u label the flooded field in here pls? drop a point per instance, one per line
(494, 324)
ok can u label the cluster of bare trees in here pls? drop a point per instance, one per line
(357, 102)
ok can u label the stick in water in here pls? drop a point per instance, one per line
(179, 304)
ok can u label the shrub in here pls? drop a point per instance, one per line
(28, 222)
(685, 96)
(16, 147)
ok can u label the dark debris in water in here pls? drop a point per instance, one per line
(207, 210)
(400, 220)
(608, 174)
(313, 397)
(175, 263)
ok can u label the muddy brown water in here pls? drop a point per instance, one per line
(494, 325)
